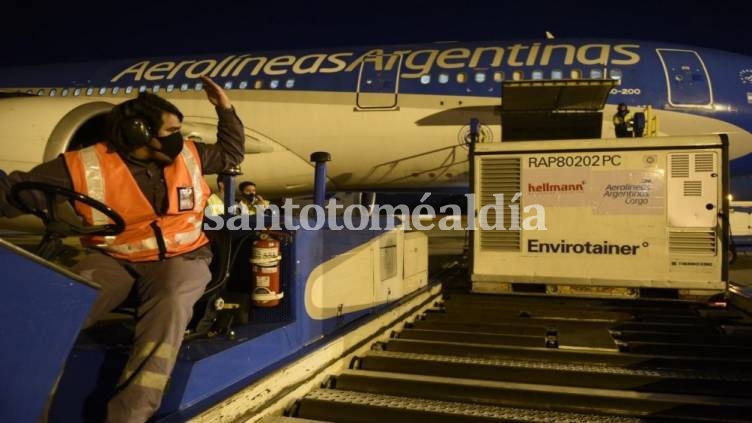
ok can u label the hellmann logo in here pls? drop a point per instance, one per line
(546, 187)
(595, 248)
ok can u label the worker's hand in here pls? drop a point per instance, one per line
(215, 94)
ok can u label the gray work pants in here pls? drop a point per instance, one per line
(167, 291)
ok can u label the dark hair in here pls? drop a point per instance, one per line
(245, 184)
(146, 106)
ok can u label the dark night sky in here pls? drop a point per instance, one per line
(36, 33)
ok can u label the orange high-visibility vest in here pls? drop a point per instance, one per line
(103, 175)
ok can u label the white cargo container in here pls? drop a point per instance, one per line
(601, 217)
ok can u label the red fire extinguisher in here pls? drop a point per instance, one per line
(267, 291)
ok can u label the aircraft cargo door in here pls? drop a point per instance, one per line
(553, 109)
(687, 79)
(378, 82)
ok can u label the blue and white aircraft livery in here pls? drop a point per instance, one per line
(393, 118)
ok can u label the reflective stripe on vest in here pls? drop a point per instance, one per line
(194, 170)
(94, 183)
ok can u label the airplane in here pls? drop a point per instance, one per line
(393, 118)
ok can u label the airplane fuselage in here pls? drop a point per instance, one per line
(392, 118)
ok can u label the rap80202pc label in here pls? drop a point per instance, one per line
(581, 160)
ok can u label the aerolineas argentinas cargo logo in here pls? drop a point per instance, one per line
(588, 247)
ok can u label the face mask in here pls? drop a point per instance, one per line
(249, 197)
(172, 144)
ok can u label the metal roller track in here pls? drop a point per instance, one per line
(516, 358)
(353, 406)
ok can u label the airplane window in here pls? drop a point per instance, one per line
(557, 74)
(517, 76)
(443, 78)
(461, 77)
(155, 89)
(53, 92)
(199, 86)
(498, 76)
(77, 92)
(115, 90)
(614, 73)
(596, 73)
(575, 74)
(274, 83)
(228, 85)
(89, 91)
(537, 74)
(103, 91)
(183, 87)
(170, 87)
(40, 92)
(243, 85)
(142, 89)
(128, 89)
(258, 84)
(425, 79)
(64, 92)
(290, 83)
(480, 77)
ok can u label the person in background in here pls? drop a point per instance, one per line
(249, 198)
(623, 122)
(216, 202)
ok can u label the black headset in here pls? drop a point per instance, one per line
(134, 127)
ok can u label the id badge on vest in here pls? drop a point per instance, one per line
(186, 199)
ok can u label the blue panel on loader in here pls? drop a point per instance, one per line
(42, 309)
